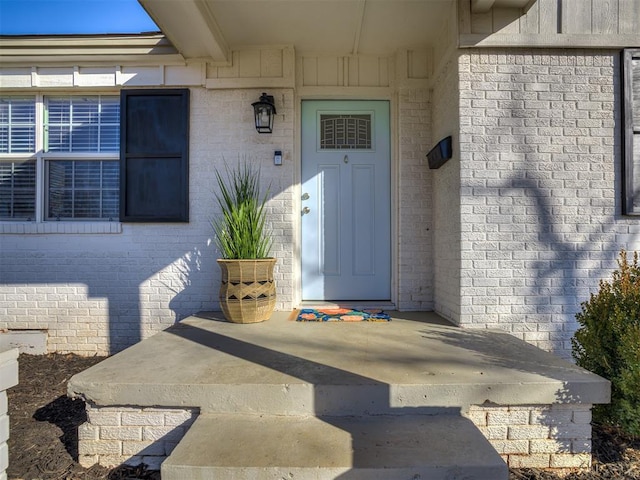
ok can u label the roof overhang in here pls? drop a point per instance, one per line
(483, 6)
(191, 26)
(54, 49)
(210, 29)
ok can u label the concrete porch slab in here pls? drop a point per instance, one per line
(413, 364)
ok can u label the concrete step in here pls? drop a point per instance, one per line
(283, 367)
(259, 447)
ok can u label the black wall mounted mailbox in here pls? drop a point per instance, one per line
(440, 153)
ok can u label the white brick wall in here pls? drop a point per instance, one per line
(446, 194)
(540, 187)
(537, 436)
(512, 233)
(124, 435)
(99, 293)
(415, 237)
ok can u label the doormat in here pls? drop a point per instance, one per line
(340, 315)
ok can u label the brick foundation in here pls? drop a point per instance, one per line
(534, 436)
(123, 435)
(537, 436)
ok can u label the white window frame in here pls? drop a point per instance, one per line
(25, 156)
(41, 224)
(52, 157)
(631, 186)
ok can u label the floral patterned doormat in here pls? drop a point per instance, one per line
(340, 315)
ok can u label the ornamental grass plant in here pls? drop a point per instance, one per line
(240, 230)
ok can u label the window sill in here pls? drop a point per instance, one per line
(31, 228)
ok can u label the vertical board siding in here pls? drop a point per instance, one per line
(140, 76)
(310, 71)
(628, 13)
(369, 71)
(15, 78)
(548, 16)
(530, 21)
(418, 64)
(506, 20)
(271, 63)
(253, 63)
(577, 17)
(482, 22)
(248, 63)
(327, 73)
(605, 16)
(96, 77)
(349, 71)
(464, 16)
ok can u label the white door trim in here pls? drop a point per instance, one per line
(382, 94)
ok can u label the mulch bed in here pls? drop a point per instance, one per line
(43, 442)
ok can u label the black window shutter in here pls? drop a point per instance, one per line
(154, 155)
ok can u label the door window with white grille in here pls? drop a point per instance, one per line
(345, 132)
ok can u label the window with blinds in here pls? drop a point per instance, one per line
(18, 190)
(631, 125)
(85, 185)
(17, 125)
(75, 146)
(82, 124)
(60, 157)
(83, 189)
(17, 162)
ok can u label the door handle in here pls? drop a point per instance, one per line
(305, 196)
(306, 210)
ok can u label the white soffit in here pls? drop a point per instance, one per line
(191, 27)
(391, 25)
(310, 26)
(483, 6)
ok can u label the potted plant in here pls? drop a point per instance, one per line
(247, 290)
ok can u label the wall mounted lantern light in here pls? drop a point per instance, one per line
(264, 110)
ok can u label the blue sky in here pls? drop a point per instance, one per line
(31, 17)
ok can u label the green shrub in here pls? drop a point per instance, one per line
(608, 343)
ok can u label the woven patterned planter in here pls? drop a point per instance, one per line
(247, 290)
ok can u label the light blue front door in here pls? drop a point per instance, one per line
(346, 200)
